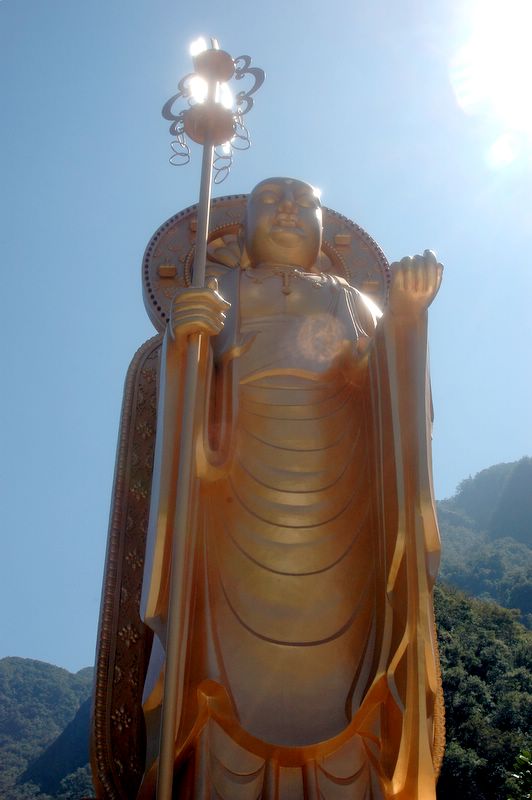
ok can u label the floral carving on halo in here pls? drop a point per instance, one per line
(120, 718)
(129, 635)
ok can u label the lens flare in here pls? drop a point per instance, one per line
(503, 151)
(491, 74)
(197, 46)
(224, 96)
(198, 88)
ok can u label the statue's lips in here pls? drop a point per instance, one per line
(287, 226)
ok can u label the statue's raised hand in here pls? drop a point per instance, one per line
(415, 283)
(198, 311)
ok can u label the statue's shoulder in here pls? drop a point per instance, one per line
(341, 284)
(364, 309)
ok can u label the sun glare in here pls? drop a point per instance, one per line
(491, 74)
(197, 46)
(224, 95)
(198, 88)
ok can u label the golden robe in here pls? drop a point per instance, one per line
(311, 667)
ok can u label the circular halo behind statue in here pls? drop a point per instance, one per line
(347, 251)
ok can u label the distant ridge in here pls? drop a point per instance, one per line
(498, 500)
(486, 531)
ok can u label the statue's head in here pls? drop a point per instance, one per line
(283, 223)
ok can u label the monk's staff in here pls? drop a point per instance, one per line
(210, 121)
(184, 534)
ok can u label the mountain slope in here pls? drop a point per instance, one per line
(482, 553)
(486, 660)
(37, 702)
(65, 755)
(498, 501)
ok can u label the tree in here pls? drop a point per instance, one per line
(486, 658)
(520, 783)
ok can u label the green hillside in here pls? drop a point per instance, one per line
(498, 501)
(486, 657)
(486, 660)
(486, 531)
(37, 703)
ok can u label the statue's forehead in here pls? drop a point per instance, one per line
(274, 182)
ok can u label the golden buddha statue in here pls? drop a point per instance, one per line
(311, 666)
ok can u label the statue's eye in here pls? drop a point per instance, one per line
(269, 198)
(307, 201)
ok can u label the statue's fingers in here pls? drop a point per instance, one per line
(410, 281)
(439, 275)
(430, 272)
(212, 284)
(210, 327)
(400, 272)
(224, 304)
(204, 322)
(207, 316)
(201, 303)
(422, 273)
(430, 275)
(433, 275)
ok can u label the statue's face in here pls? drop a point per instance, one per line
(283, 223)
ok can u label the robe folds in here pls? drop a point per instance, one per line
(310, 659)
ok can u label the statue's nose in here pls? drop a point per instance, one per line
(287, 203)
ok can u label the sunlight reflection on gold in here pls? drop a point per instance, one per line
(320, 338)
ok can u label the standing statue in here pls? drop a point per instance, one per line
(311, 663)
(310, 666)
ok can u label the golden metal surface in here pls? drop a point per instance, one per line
(311, 666)
(355, 257)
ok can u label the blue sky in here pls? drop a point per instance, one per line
(359, 101)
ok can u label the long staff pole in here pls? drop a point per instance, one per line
(184, 534)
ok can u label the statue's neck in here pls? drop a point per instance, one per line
(272, 265)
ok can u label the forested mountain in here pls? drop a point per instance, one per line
(486, 531)
(486, 660)
(498, 500)
(486, 657)
(40, 705)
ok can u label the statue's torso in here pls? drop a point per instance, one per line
(292, 320)
(289, 538)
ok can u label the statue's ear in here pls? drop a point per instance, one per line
(244, 258)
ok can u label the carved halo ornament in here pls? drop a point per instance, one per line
(347, 251)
